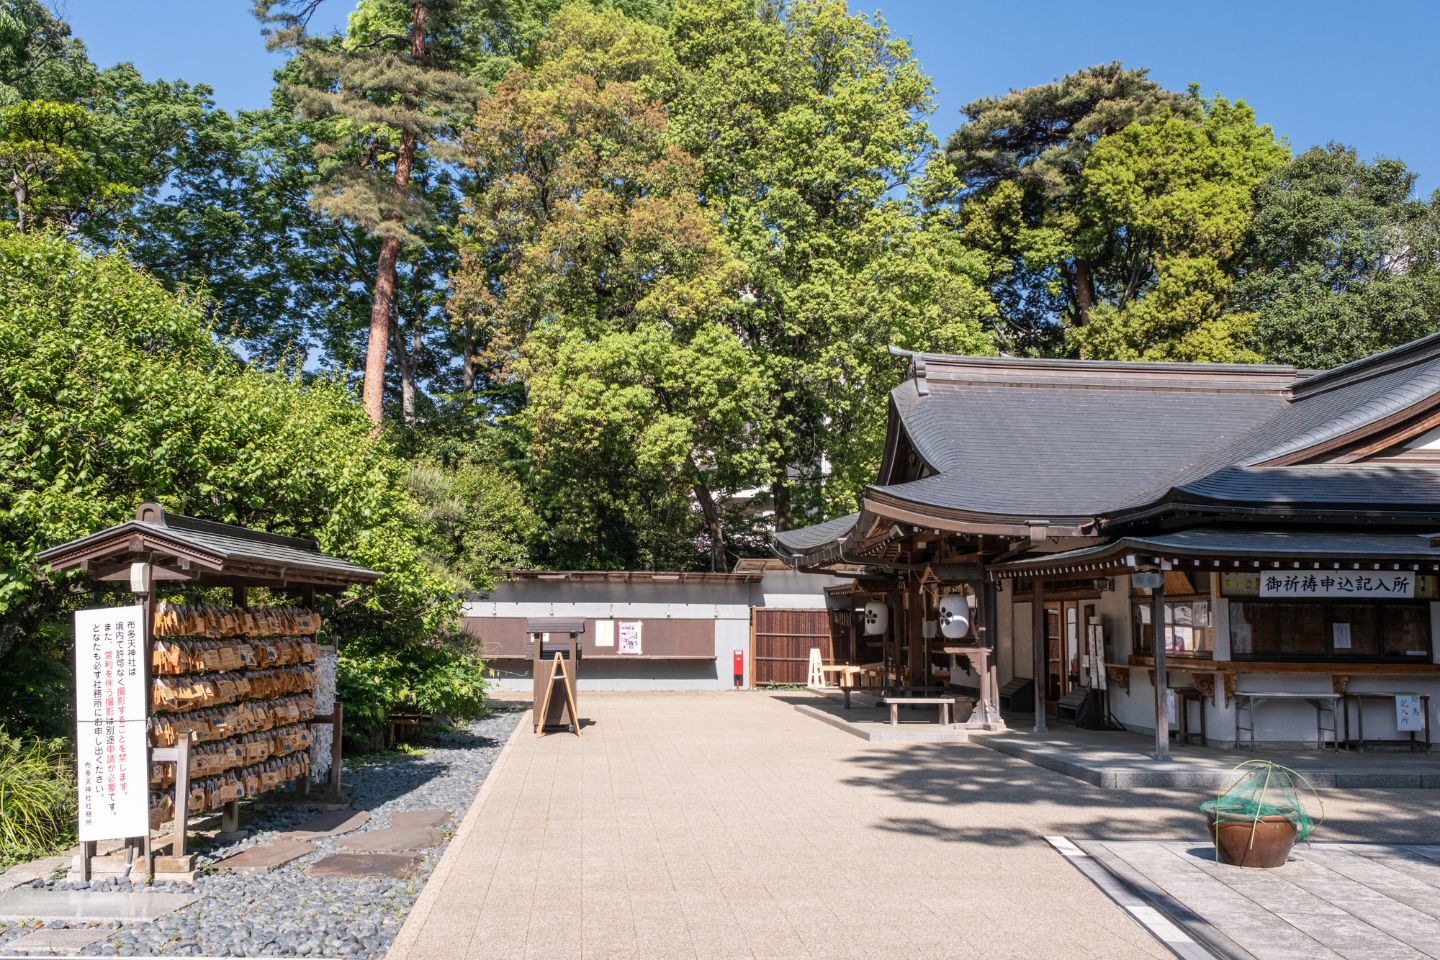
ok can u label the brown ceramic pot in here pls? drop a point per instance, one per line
(1274, 835)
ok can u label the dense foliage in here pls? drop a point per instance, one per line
(120, 393)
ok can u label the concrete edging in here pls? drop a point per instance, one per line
(420, 912)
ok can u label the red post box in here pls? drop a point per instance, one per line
(739, 669)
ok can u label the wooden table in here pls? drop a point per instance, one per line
(1248, 700)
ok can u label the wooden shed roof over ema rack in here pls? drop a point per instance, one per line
(204, 552)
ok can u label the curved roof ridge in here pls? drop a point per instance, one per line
(1426, 349)
(1423, 385)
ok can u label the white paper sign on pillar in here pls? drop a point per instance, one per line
(111, 764)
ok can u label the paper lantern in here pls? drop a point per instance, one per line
(877, 615)
(954, 616)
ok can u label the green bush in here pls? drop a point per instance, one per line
(438, 680)
(118, 393)
(37, 798)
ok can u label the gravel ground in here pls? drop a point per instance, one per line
(287, 912)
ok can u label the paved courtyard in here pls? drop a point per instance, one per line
(1331, 901)
(730, 825)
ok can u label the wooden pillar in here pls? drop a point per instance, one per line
(1162, 685)
(990, 601)
(919, 658)
(1041, 653)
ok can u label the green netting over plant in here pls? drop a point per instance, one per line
(1264, 788)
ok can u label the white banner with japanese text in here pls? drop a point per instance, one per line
(1337, 584)
(111, 772)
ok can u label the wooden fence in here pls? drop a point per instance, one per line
(783, 639)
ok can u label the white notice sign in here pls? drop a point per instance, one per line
(1337, 583)
(1342, 636)
(111, 772)
(629, 638)
(1408, 716)
(604, 633)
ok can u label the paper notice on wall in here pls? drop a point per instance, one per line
(629, 634)
(604, 633)
(1342, 636)
(1409, 717)
(112, 773)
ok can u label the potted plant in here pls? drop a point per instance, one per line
(1257, 819)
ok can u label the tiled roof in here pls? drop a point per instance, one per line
(808, 538)
(1297, 544)
(218, 549)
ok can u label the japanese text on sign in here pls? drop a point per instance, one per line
(111, 765)
(1337, 583)
(1409, 715)
(629, 633)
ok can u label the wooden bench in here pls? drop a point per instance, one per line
(894, 703)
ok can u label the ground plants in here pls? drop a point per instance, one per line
(37, 798)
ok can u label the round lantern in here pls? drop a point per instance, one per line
(876, 617)
(954, 616)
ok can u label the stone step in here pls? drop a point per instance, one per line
(391, 840)
(331, 823)
(63, 942)
(264, 857)
(399, 865)
(419, 818)
(29, 903)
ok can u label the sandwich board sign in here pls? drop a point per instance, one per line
(112, 774)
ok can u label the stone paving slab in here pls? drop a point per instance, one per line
(401, 865)
(331, 823)
(391, 840)
(46, 942)
(264, 857)
(28, 903)
(1353, 901)
(419, 818)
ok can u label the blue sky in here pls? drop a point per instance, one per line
(1315, 70)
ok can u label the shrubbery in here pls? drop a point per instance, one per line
(37, 798)
(118, 393)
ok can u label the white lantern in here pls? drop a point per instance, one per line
(954, 616)
(877, 615)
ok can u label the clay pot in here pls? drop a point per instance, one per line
(1274, 835)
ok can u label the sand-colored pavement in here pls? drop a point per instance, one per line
(729, 825)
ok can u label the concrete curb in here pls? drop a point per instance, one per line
(404, 941)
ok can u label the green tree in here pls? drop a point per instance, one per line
(1342, 261)
(1167, 206)
(1021, 159)
(119, 393)
(808, 121)
(44, 168)
(589, 256)
(398, 96)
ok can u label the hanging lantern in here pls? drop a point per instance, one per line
(954, 616)
(877, 615)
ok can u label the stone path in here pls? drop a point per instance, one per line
(729, 825)
(1330, 901)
